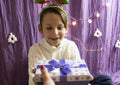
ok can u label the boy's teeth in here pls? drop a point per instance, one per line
(54, 38)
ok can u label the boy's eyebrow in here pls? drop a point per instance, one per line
(48, 24)
(61, 24)
(58, 24)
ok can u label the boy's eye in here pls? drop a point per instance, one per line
(60, 28)
(49, 28)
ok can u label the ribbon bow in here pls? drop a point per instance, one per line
(42, 1)
(64, 67)
(63, 1)
(58, 1)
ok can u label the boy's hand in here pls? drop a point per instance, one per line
(33, 71)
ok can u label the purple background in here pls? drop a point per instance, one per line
(21, 17)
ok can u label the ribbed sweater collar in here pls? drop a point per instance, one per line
(50, 48)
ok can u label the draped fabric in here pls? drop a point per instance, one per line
(21, 17)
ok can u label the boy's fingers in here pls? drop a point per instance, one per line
(33, 71)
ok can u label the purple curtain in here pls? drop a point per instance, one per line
(21, 17)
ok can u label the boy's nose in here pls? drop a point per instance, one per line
(55, 31)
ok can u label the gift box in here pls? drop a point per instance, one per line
(65, 72)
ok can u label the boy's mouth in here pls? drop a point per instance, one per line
(54, 39)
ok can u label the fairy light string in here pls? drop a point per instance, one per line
(97, 33)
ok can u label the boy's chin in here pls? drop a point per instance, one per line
(55, 44)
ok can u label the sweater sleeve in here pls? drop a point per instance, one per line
(31, 65)
(70, 50)
(33, 58)
(74, 52)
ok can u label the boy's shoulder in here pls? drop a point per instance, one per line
(35, 45)
(65, 40)
(68, 42)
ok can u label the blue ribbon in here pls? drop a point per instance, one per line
(64, 67)
(83, 65)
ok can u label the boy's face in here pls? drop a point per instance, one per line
(53, 29)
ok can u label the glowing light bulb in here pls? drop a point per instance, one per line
(74, 23)
(101, 49)
(97, 14)
(89, 20)
(107, 4)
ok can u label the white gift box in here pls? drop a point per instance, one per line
(79, 72)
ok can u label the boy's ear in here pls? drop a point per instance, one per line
(40, 28)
